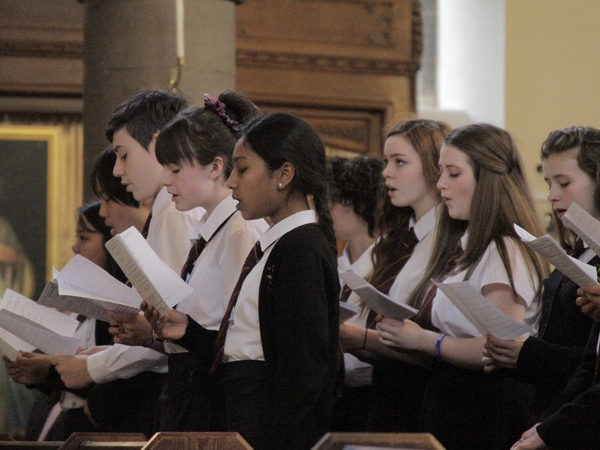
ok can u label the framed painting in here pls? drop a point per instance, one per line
(40, 191)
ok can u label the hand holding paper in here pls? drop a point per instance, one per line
(29, 368)
(11, 345)
(589, 300)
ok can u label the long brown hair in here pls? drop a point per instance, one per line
(501, 199)
(426, 137)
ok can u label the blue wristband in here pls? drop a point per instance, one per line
(438, 345)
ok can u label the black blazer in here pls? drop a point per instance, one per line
(550, 359)
(299, 326)
(573, 422)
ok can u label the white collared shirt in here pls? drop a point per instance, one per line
(357, 372)
(217, 269)
(243, 336)
(489, 270)
(414, 269)
(86, 332)
(587, 255)
(363, 267)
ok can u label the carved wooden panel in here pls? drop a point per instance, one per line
(41, 47)
(373, 36)
(345, 133)
(346, 66)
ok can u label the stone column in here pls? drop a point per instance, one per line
(131, 45)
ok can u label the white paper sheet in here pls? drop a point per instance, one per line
(578, 271)
(82, 278)
(94, 308)
(484, 316)
(154, 280)
(40, 337)
(47, 317)
(11, 345)
(377, 301)
(584, 224)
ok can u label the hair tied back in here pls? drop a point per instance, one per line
(219, 107)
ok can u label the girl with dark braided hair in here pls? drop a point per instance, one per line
(275, 356)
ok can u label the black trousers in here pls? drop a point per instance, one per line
(241, 401)
(351, 409)
(472, 410)
(185, 401)
(397, 393)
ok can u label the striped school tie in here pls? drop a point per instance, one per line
(254, 256)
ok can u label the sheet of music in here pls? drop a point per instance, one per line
(96, 309)
(377, 301)
(578, 271)
(11, 345)
(49, 318)
(40, 337)
(155, 281)
(585, 225)
(484, 316)
(82, 278)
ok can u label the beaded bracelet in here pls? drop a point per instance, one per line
(438, 347)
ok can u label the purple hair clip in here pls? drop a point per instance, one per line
(220, 108)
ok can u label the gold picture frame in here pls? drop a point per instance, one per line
(64, 193)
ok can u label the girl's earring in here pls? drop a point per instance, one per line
(280, 185)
